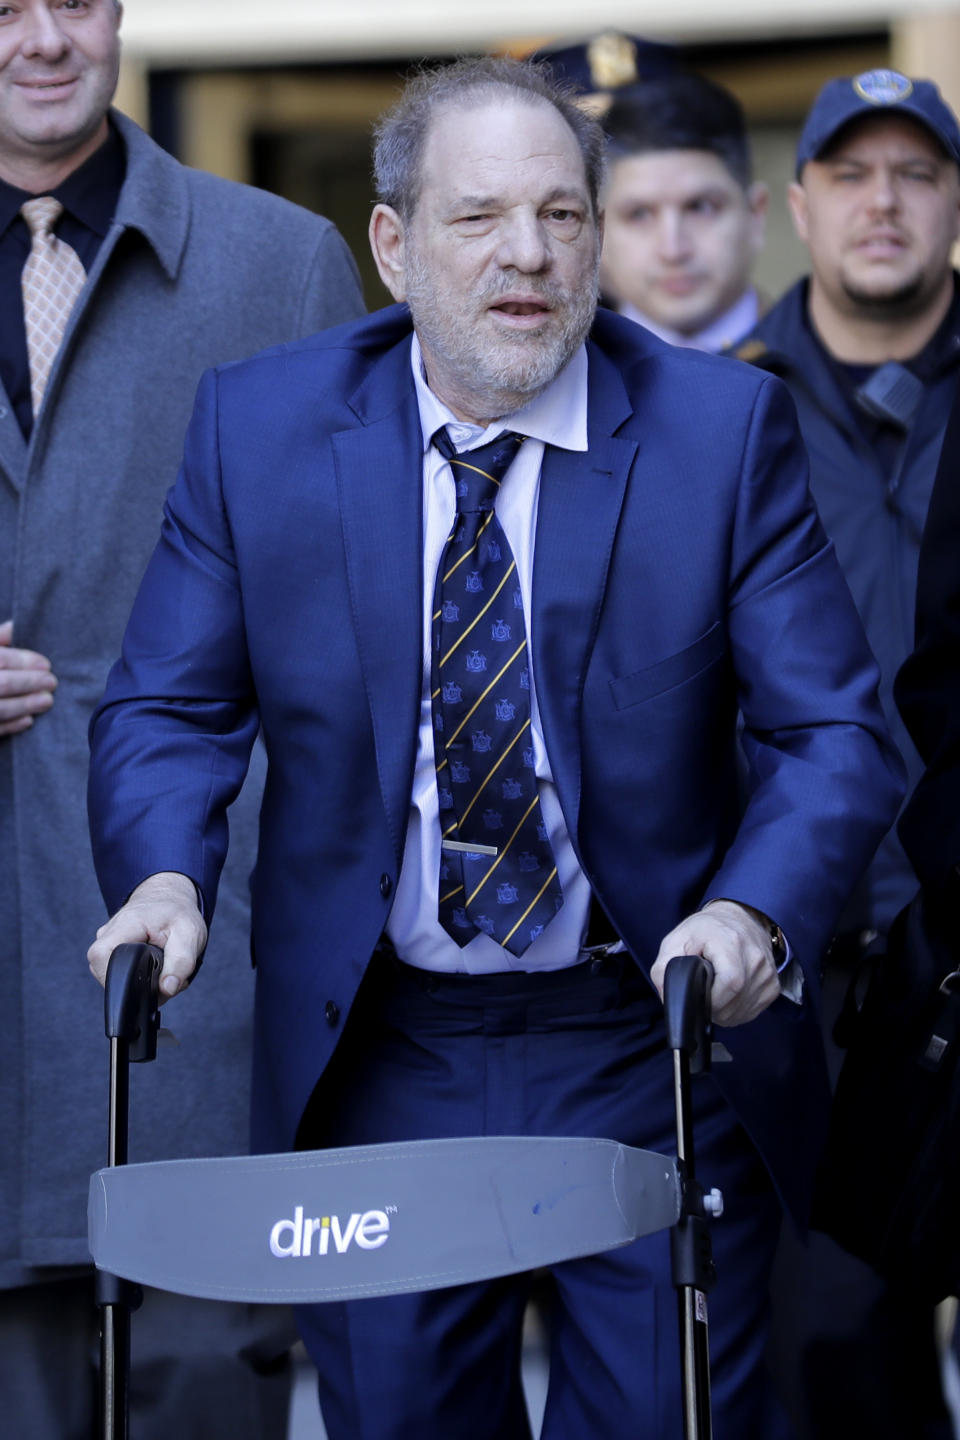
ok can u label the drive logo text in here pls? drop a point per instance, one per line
(299, 1237)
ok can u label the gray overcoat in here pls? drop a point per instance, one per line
(194, 271)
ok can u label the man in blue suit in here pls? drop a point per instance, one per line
(650, 568)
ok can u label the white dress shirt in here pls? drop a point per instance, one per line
(720, 334)
(558, 416)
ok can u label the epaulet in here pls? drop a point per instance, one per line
(750, 350)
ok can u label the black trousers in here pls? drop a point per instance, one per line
(569, 1052)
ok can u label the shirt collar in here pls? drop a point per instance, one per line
(557, 416)
(719, 335)
(89, 193)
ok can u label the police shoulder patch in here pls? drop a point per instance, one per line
(750, 350)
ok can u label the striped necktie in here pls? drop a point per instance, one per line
(51, 280)
(497, 871)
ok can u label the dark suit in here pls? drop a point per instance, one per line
(928, 685)
(681, 574)
(927, 691)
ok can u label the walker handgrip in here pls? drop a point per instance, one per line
(130, 1000)
(686, 1002)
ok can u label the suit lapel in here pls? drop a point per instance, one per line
(581, 496)
(13, 447)
(379, 479)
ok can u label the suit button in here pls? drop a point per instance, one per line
(332, 1012)
(386, 885)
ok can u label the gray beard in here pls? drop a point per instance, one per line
(488, 383)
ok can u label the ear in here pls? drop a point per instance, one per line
(797, 200)
(758, 203)
(758, 198)
(386, 242)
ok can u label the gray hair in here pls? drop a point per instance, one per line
(400, 135)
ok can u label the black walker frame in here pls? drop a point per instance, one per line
(132, 1021)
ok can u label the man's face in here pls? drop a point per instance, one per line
(499, 261)
(58, 71)
(880, 214)
(680, 236)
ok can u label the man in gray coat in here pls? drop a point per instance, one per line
(182, 271)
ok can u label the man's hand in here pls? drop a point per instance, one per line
(741, 952)
(162, 911)
(27, 683)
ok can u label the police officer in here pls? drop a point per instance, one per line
(869, 345)
(684, 218)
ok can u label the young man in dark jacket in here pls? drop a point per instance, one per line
(684, 219)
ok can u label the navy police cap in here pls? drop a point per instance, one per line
(849, 97)
(611, 61)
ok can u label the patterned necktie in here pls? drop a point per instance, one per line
(507, 886)
(51, 280)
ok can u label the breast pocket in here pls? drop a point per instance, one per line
(670, 672)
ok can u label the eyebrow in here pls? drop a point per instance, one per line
(654, 197)
(707, 192)
(492, 202)
(474, 202)
(565, 192)
(919, 158)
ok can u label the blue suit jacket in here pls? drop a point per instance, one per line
(681, 575)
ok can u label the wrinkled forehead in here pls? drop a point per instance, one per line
(502, 139)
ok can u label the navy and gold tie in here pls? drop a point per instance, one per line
(497, 871)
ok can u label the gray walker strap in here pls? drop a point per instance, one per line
(374, 1219)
